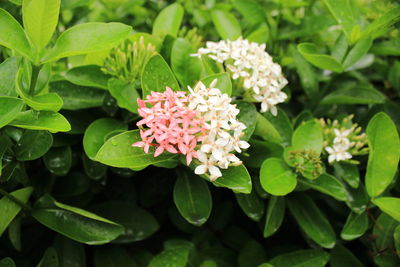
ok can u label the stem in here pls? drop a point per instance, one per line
(16, 200)
(34, 78)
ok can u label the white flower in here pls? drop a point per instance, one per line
(207, 164)
(340, 147)
(248, 60)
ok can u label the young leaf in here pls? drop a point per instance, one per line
(176, 256)
(227, 25)
(157, 75)
(12, 35)
(168, 20)
(125, 94)
(192, 198)
(357, 52)
(96, 133)
(356, 225)
(8, 72)
(41, 120)
(354, 95)
(86, 38)
(309, 257)
(389, 205)
(236, 178)
(342, 257)
(311, 220)
(9, 109)
(327, 184)
(119, 152)
(224, 83)
(251, 204)
(33, 144)
(308, 136)
(310, 52)
(276, 177)
(89, 75)
(40, 20)
(382, 24)
(275, 215)
(9, 209)
(187, 68)
(384, 153)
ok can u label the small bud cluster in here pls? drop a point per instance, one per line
(343, 139)
(307, 162)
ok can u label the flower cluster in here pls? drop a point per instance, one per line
(262, 78)
(199, 125)
(343, 139)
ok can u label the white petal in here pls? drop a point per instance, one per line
(201, 169)
(215, 172)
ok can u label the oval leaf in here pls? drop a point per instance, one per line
(168, 20)
(275, 215)
(276, 177)
(327, 184)
(354, 95)
(310, 52)
(356, 225)
(227, 25)
(33, 144)
(224, 83)
(309, 257)
(9, 109)
(251, 204)
(89, 75)
(41, 120)
(389, 205)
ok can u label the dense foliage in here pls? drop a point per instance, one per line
(319, 182)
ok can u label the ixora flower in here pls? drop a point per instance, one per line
(262, 78)
(200, 125)
(343, 139)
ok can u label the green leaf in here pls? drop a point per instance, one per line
(8, 72)
(252, 254)
(58, 160)
(346, 13)
(227, 25)
(113, 256)
(9, 209)
(266, 130)
(119, 152)
(282, 124)
(382, 24)
(348, 172)
(384, 153)
(396, 237)
(187, 68)
(97, 132)
(354, 95)
(192, 198)
(157, 75)
(311, 220)
(383, 230)
(9, 109)
(40, 20)
(389, 205)
(357, 52)
(138, 223)
(260, 151)
(75, 223)
(275, 215)
(224, 83)
(93, 169)
(41, 120)
(251, 11)
(89, 75)
(176, 256)
(276, 177)
(327, 184)
(308, 136)
(33, 144)
(168, 20)
(7, 262)
(76, 97)
(251, 204)
(358, 199)
(236, 178)
(86, 38)
(125, 94)
(12, 35)
(342, 257)
(248, 116)
(310, 52)
(300, 258)
(50, 258)
(356, 225)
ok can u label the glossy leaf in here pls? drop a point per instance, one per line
(389, 205)
(9, 209)
(308, 136)
(168, 20)
(357, 52)
(58, 160)
(342, 257)
(383, 230)
(176, 256)
(49, 259)
(354, 95)
(309, 257)
(119, 152)
(187, 68)
(12, 35)
(40, 20)
(384, 153)
(93, 169)
(275, 215)
(266, 130)
(259, 151)
(89, 75)
(77, 97)
(227, 25)
(125, 94)
(224, 83)
(348, 172)
(236, 178)
(248, 116)
(251, 204)
(192, 198)
(310, 52)
(33, 144)
(8, 72)
(276, 177)
(311, 220)
(282, 124)
(327, 184)
(356, 225)
(86, 38)
(9, 109)
(157, 75)
(41, 120)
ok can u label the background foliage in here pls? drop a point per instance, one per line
(75, 193)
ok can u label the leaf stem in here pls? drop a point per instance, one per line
(34, 78)
(16, 200)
